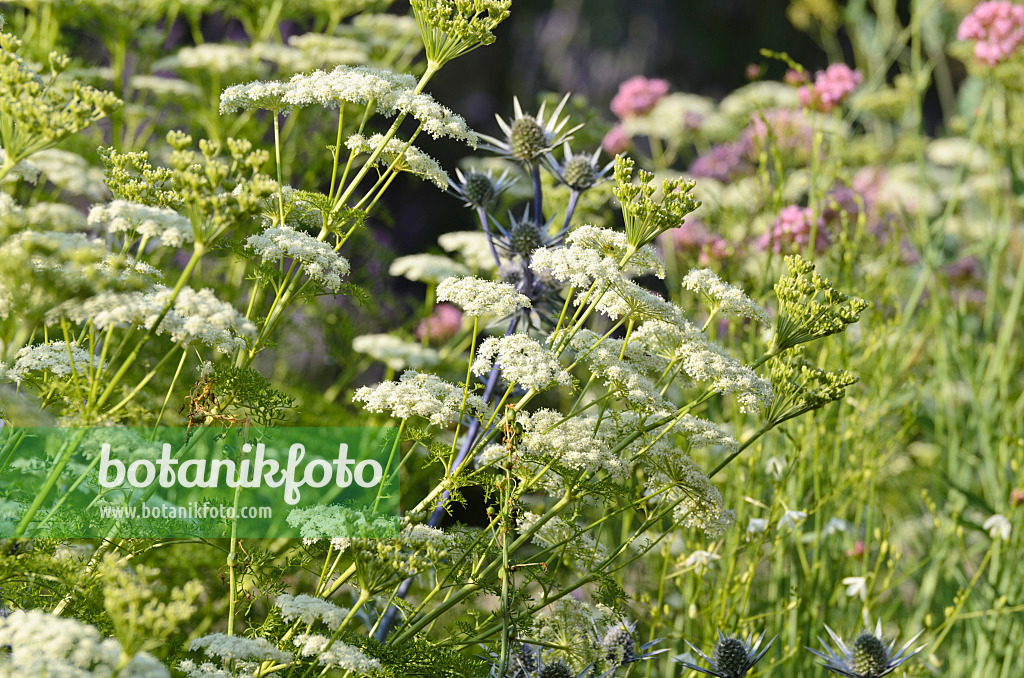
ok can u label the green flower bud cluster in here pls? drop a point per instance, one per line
(800, 387)
(37, 114)
(450, 28)
(810, 307)
(214, 192)
(646, 217)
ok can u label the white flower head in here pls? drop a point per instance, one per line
(998, 527)
(256, 95)
(395, 352)
(318, 259)
(482, 297)
(836, 525)
(402, 155)
(856, 586)
(722, 296)
(335, 653)
(308, 609)
(429, 268)
(158, 224)
(790, 519)
(700, 560)
(56, 358)
(523, 361)
(424, 395)
(757, 526)
(236, 647)
(776, 466)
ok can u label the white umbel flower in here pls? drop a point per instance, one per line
(37, 643)
(482, 297)
(235, 647)
(523, 361)
(356, 85)
(404, 156)
(424, 395)
(429, 268)
(309, 609)
(998, 527)
(338, 654)
(722, 296)
(255, 95)
(471, 245)
(395, 352)
(155, 223)
(56, 358)
(856, 586)
(318, 259)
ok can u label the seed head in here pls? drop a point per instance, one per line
(556, 669)
(525, 238)
(618, 645)
(528, 140)
(869, 655)
(580, 173)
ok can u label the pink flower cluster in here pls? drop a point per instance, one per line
(616, 141)
(793, 228)
(637, 96)
(998, 28)
(443, 324)
(830, 87)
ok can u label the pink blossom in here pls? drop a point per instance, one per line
(689, 235)
(1017, 496)
(786, 129)
(857, 550)
(637, 96)
(830, 87)
(794, 77)
(713, 250)
(792, 229)
(616, 141)
(998, 28)
(443, 324)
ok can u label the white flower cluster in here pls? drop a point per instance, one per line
(37, 643)
(202, 317)
(318, 259)
(339, 654)
(700, 502)
(405, 157)
(615, 245)
(328, 521)
(419, 394)
(557, 533)
(471, 245)
(482, 297)
(175, 88)
(429, 268)
(437, 120)
(156, 223)
(723, 296)
(309, 609)
(628, 375)
(211, 670)
(56, 358)
(70, 172)
(212, 57)
(55, 216)
(236, 647)
(523, 361)
(704, 360)
(580, 443)
(255, 95)
(579, 266)
(314, 50)
(624, 298)
(395, 352)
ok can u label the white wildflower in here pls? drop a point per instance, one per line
(340, 524)
(422, 535)
(615, 245)
(722, 296)
(316, 50)
(255, 95)
(481, 297)
(424, 395)
(175, 88)
(211, 670)
(202, 317)
(395, 352)
(700, 503)
(70, 172)
(429, 268)
(212, 57)
(790, 519)
(37, 643)
(23, 170)
(998, 527)
(628, 374)
(56, 358)
(704, 360)
(437, 120)
(700, 560)
(55, 216)
(576, 265)
(523, 361)
(775, 467)
(309, 609)
(471, 245)
(236, 647)
(318, 259)
(836, 525)
(156, 223)
(356, 85)
(580, 443)
(403, 155)
(338, 654)
(856, 586)
(757, 526)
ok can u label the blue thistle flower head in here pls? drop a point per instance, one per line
(868, 656)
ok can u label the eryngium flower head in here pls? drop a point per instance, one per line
(478, 189)
(528, 137)
(578, 172)
(733, 657)
(618, 644)
(868, 656)
(556, 669)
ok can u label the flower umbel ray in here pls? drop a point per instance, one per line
(645, 216)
